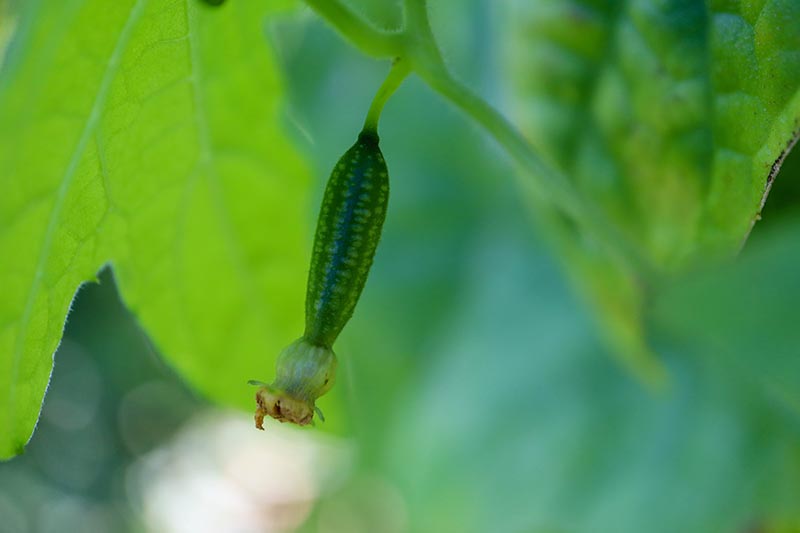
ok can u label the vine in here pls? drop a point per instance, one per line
(355, 202)
(414, 45)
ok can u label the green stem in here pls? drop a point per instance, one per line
(400, 69)
(548, 182)
(416, 45)
(420, 45)
(416, 15)
(369, 39)
(552, 183)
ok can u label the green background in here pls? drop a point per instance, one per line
(475, 393)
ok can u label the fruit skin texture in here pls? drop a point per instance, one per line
(348, 231)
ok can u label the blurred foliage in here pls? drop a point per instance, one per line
(475, 389)
(506, 416)
(743, 315)
(111, 400)
(669, 115)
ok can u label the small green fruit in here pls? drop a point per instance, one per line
(348, 231)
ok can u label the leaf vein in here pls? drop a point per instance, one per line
(61, 194)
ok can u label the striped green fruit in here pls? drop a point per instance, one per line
(348, 230)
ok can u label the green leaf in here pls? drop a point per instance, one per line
(743, 317)
(673, 116)
(147, 134)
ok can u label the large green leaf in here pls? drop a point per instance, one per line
(146, 134)
(673, 116)
(743, 317)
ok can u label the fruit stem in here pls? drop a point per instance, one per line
(399, 71)
(416, 44)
